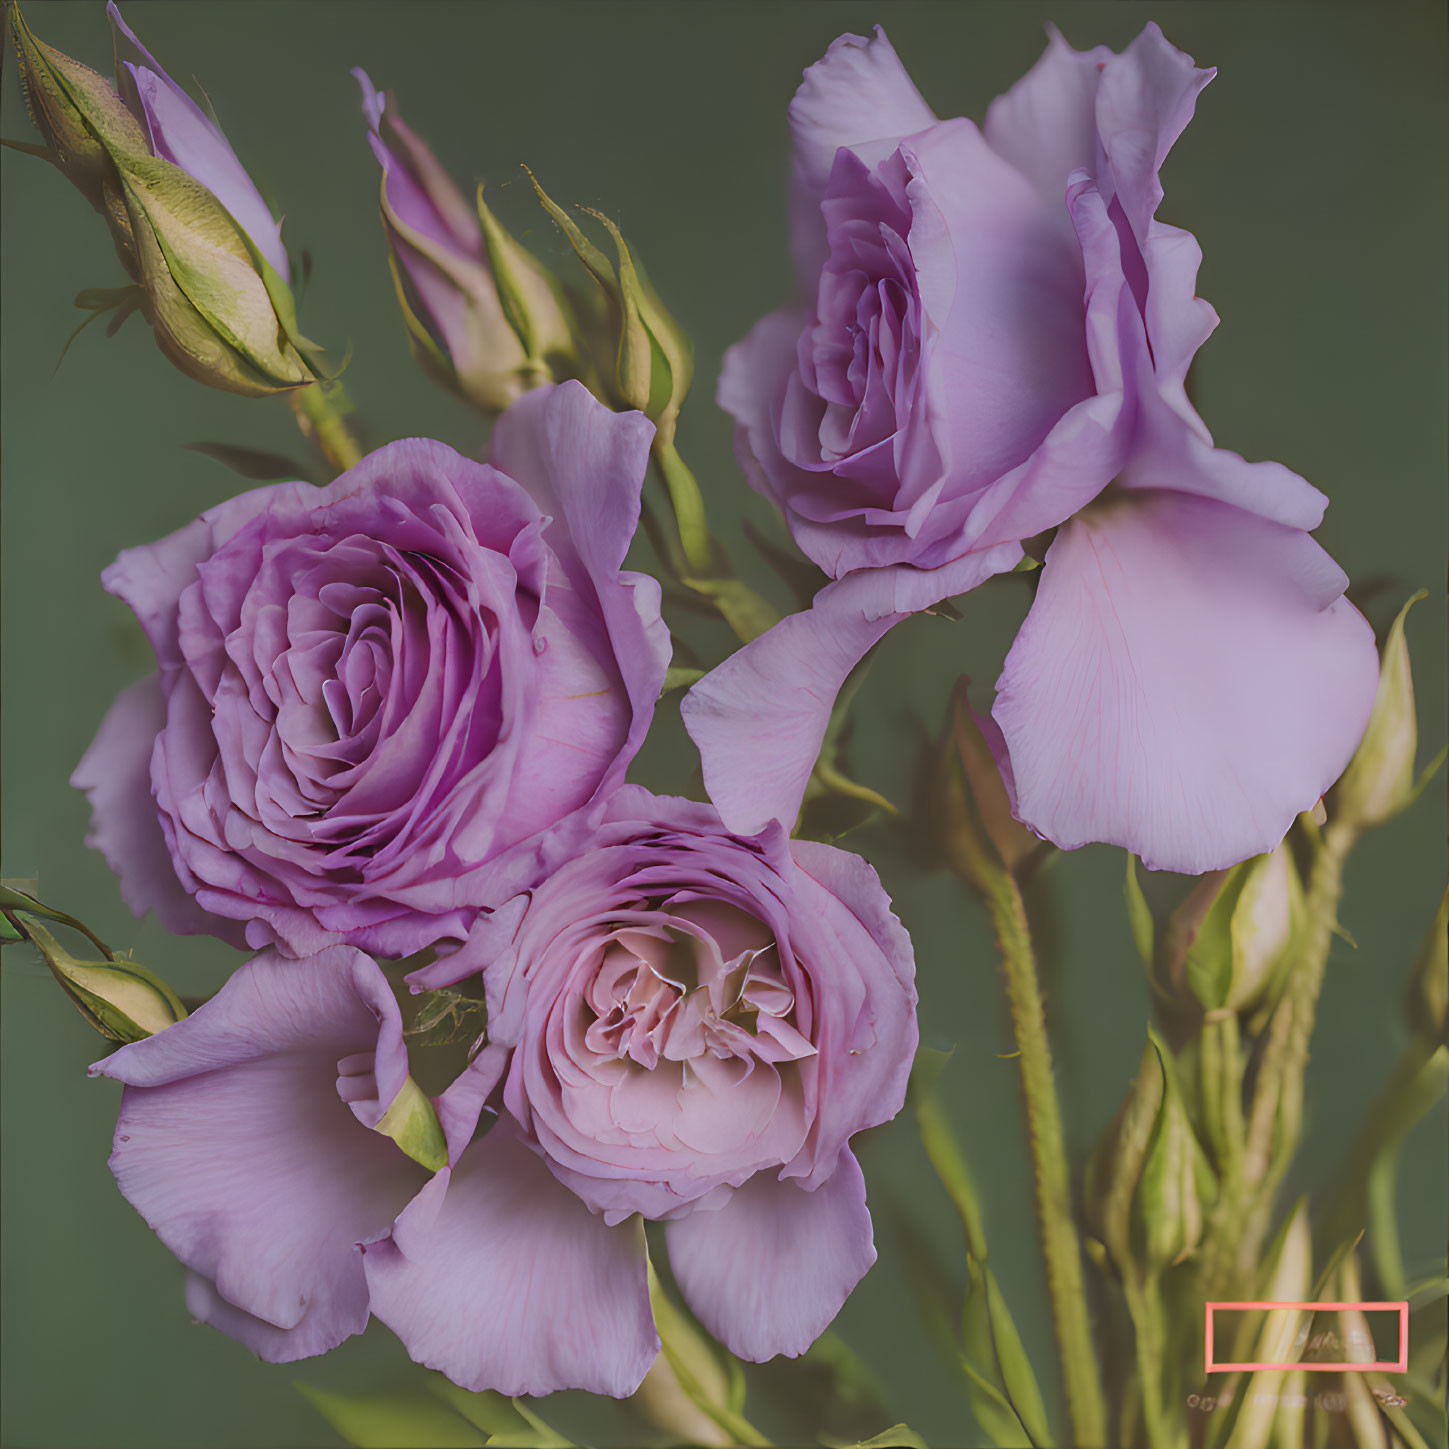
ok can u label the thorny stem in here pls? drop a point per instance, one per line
(1060, 1244)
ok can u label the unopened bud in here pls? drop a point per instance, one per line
(652, 360)
(1379, 781)
(483, 316)
(1228, 940)
(968, 798)
(220, 309)
(1177, 1185)
(1115, 1166)
(121, 999)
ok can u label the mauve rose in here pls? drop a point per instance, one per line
(1000, 328)
(373, 696)
(688, 1026)
(244, 1139)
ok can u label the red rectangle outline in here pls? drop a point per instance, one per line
(1400, 1367)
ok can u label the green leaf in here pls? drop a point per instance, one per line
(897, 1437)
(412, 1122)
(393, 1421)
(679, 677)
(14, 898)
(255, 464)
(1139, 915)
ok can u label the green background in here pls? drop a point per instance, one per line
(1313, 177)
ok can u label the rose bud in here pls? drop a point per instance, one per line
(1116, 1164)
(120, 998)
(483, 316)
(970, 802)
(1177, 1184)
(647, 353)
(211, 289)
(1379, 781)
(1227, 940)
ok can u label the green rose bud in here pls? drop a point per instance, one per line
(1379, 781)
(1229, 939)
(121, 999)
(967, 801)
(1177, 1185)
(219, 309)
(1115, 1167)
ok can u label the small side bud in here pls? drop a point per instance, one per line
(1177, 1186)
(969, 799)
(1379, 781)
(483, 317)
(1115, 1167)
(1227, 942)
(121, 999)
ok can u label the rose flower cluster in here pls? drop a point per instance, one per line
(394, 715)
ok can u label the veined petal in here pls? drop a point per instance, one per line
(767, 1272)
(501, 1278)
(1188, 680)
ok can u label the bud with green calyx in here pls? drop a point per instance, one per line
(1177, 1186)
(219, 308)
(1115, 1167)
(649, 363)
(968, 803)
(483, 316)
(119, 998)
(1229, 940)
(1379, 781)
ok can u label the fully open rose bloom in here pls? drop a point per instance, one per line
(373, 696)
(689, 1026)
(999, 328)
(685, 1025)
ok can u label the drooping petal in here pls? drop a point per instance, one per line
(1046, 124)
(115, 773)
(182, 133)
(767, 1273)
(1188, 680)
(857, 93)
(501, 1278)
(235, 1143)
(759, 718)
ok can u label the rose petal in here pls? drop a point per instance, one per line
(235, 1146)
(502, 1279)
(767, 1273)
(857, 93)
(759, 718)
(1188, 680)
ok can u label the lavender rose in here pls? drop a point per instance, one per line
(688, 1026)
(373, 696)
(1000, 328)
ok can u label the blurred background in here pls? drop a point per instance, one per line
(1313, 176)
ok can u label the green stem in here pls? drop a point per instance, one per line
(1060, 1244)
(1148, 1338)
(1277, 1112)
(322, 409)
